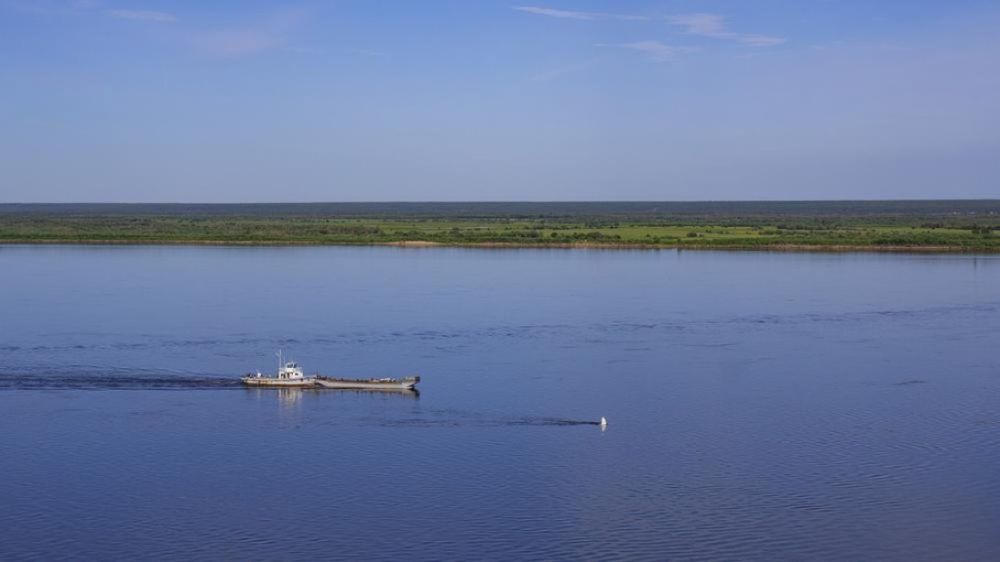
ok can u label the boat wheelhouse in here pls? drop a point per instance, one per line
(289, 375)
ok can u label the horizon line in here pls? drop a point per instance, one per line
(499, 201)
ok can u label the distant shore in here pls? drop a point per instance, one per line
(419, 244)
(786, 226)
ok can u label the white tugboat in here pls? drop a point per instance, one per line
(289, 375)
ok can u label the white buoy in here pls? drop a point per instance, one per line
(604, 422)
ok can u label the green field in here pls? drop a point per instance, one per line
(897, 225)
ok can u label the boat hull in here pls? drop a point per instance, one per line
(408, 383)
(279, 383)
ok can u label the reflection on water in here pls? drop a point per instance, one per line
(387, 393)
(765, 406)
(289, 398)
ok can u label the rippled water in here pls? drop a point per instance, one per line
(761, 406)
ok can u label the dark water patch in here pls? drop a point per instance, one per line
(715, 345)
(422, 422)
(592, 334)
(910, 382)
(916, 313)
(472, 419)
(537, 421)
(97, 381)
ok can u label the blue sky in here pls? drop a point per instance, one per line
(255, 100)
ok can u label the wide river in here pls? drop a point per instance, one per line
(762, 406)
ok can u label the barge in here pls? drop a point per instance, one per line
(406, 383)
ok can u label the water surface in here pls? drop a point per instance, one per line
(762, 406)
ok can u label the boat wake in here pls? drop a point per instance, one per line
(14, 381)
(457, 420)
(551, 421)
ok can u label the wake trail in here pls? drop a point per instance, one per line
(14, 381)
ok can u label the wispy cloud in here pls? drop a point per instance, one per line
(709, 25)
(51, 7)
(714, 26)
(655, 50)
(268, 35)
(701, 24)
(85, 7)
(235, 42)
(143, 15)
(572, 15)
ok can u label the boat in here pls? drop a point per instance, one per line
(406, 383)
(289, 376)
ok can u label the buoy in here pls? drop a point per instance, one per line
(604, 422)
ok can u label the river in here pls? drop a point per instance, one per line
(761, 406)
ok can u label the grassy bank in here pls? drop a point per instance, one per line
(932, 225)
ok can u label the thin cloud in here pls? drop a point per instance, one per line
(761, 40)
(701, 24)
(708, 25)
(655, 50)
(586, 16)
(236, 42)
(714, 26)
(51, 7)
(143, 15)
(268, 35)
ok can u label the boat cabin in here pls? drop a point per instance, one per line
(291, 371)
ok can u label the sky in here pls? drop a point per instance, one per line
(461, 100)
